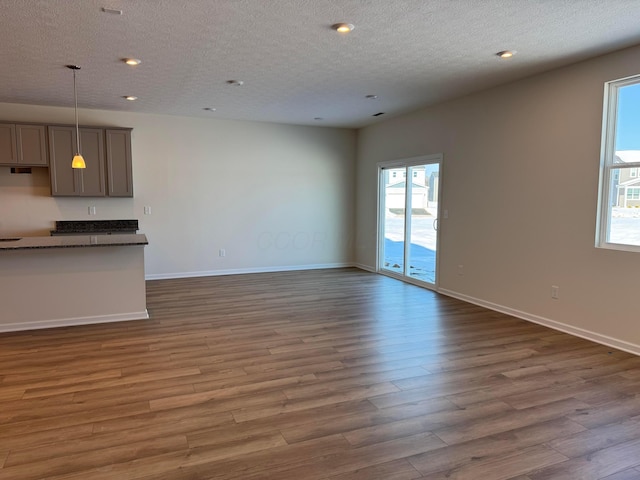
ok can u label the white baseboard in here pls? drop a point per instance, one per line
(241, 271)
(70, 322)
(547, 322)
(362, 266)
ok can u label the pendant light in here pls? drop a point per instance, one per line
(78, 160)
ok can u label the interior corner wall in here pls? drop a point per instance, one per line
(520, 183)
(272, 196)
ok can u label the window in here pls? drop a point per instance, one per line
(619, 202)
(633, 193)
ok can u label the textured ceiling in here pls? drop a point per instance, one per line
(410, 53)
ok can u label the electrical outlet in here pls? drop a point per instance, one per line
(92, 210)
(461, 270)
(555, 292)
(222, 252)
(147, 210)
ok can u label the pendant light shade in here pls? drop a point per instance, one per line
(78, 160)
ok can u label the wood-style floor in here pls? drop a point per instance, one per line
(336, 374)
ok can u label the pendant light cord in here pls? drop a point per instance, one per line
(75, 95)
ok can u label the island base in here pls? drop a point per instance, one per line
(43, 288)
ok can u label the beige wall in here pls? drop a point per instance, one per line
(273, 196)
(520, 181)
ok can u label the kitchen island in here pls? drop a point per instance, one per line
(71, 280)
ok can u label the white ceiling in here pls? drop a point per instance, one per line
(411, 53)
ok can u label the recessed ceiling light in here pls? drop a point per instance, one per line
(132, 61)
(372, 97)
(235, 83)
(343, 27)
(506, 53)
(131, 98)
(209, 109)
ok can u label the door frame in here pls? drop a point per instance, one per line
(406, 163)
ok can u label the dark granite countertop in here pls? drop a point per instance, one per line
(73, 241)
(88, 227)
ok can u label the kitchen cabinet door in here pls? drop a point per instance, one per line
(119, 167)
(92, 178)
(8, 147)
(62, 141)
(66, 181)
(31, 141)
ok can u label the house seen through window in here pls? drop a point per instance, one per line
(619, 203)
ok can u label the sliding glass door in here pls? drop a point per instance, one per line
(408, 222)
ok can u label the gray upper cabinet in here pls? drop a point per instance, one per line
(23, 145)
(107, 154)
(32, 145)
(62, 141)
(66, 181)
(119, 165)
(8, 147)
(92, 178)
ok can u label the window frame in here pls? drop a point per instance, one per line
(608, 165)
